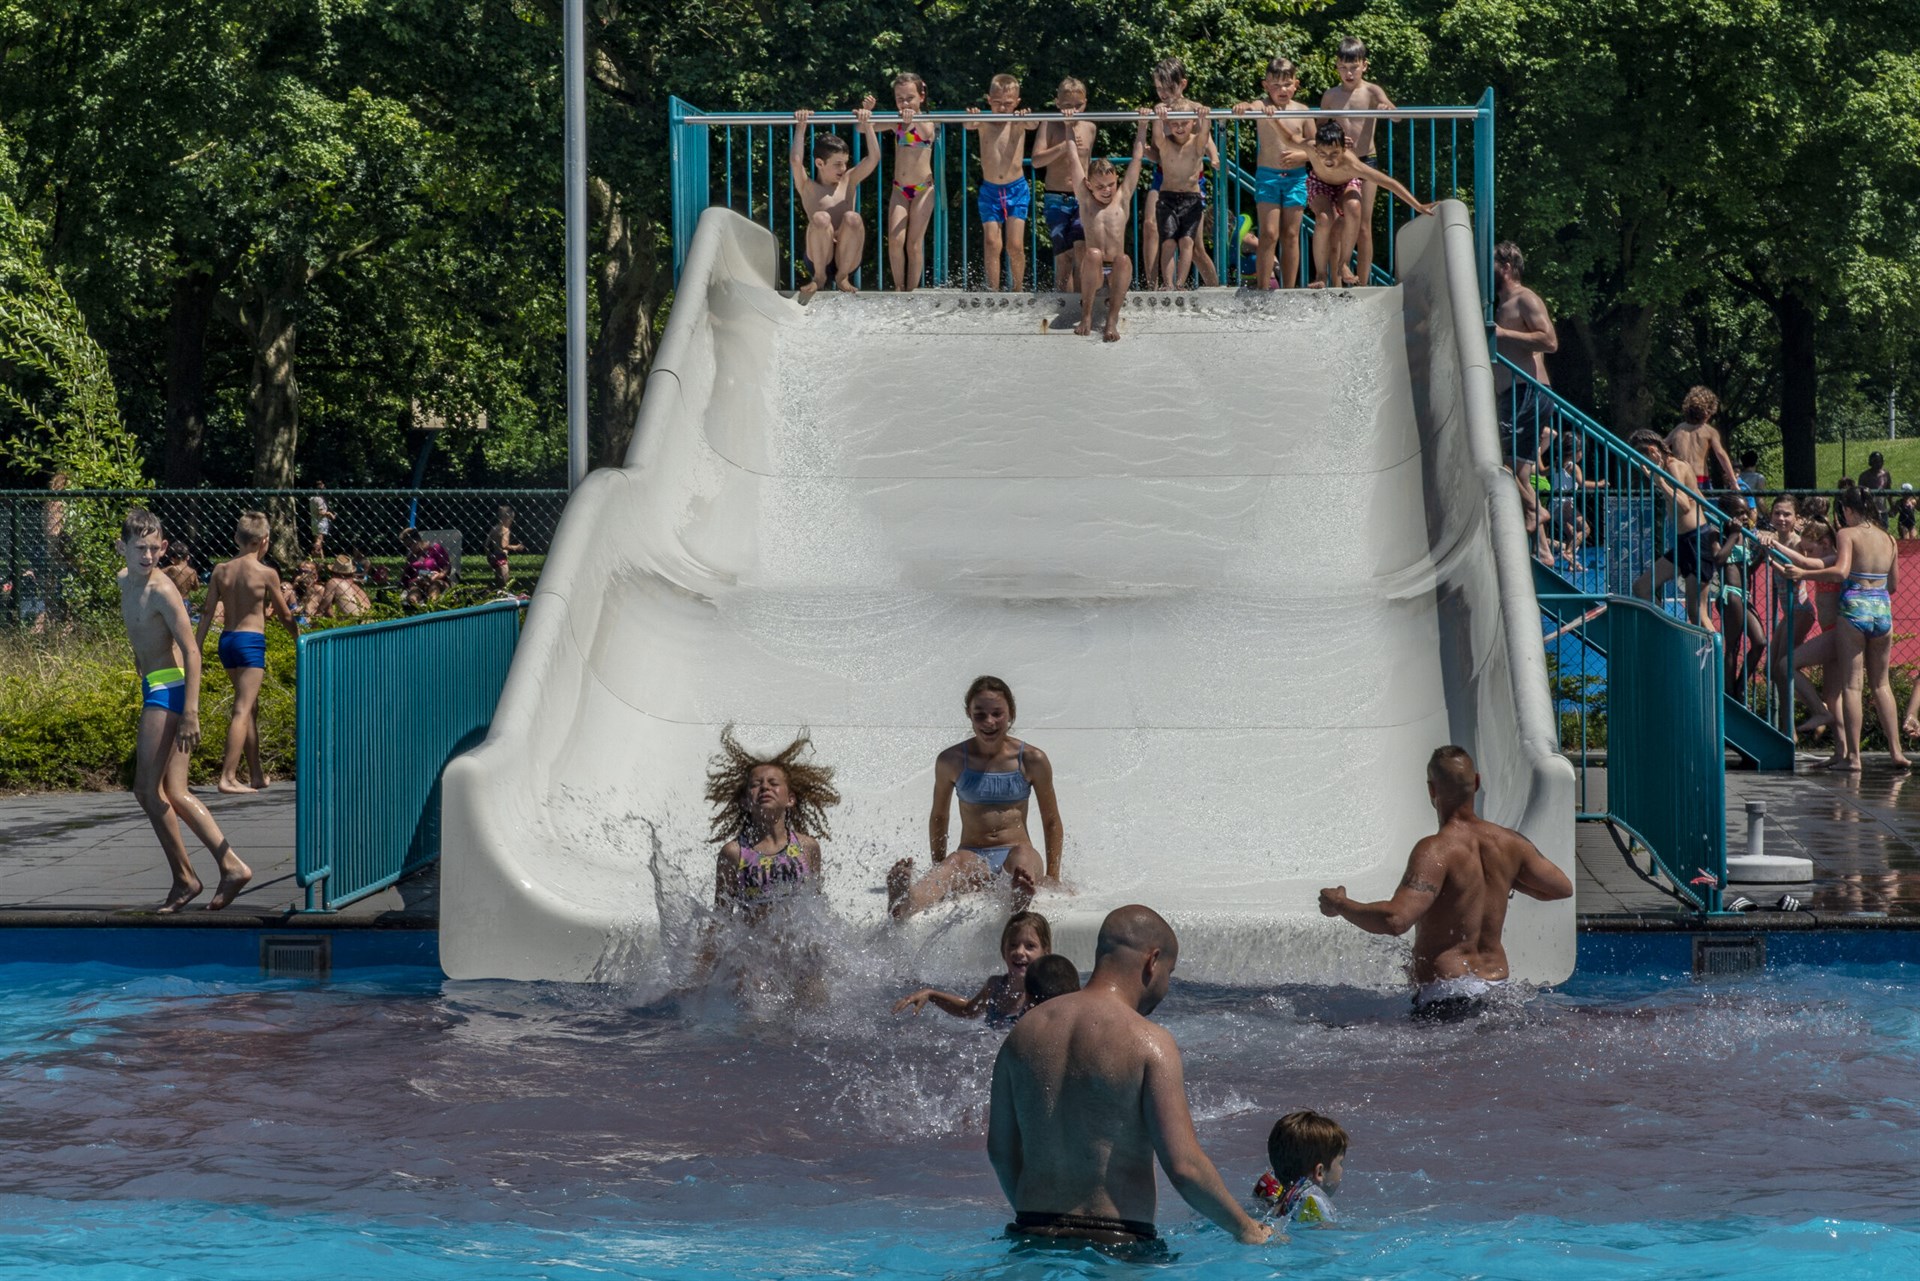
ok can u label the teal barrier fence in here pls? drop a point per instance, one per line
(740, 160)
(382, 707)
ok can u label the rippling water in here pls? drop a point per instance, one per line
(219, 1126)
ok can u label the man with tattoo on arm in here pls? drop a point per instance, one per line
(1454, 895)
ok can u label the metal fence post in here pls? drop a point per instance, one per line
(1483, 196)
(692, 182)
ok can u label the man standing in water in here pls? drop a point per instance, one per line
(1454, 895)
(1087, 1092)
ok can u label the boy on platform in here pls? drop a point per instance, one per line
(1105, 199)
(169, 665)
(1279, 189)
(1181, 146)
(1006, 197)
(242, 592)
(836, 236)
(1062, 209)
(1356, 93)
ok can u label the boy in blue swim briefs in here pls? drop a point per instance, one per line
(169, 666)
(1279, 190)
(1065, 234)
(1006, 197)
(242, 592)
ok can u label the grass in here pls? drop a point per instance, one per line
(70, 710)
(1903, 461)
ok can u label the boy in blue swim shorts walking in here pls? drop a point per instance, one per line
(1006, 197)
(169, 666)
(242, 592)
(1279, 190)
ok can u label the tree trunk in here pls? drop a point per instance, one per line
(630, 290)
(186, 417)
(1629, 394)
(1799, 385)
(273, 394)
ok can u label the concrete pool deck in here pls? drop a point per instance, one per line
(89, 859)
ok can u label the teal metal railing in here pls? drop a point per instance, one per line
(382, 707)
(739, 160)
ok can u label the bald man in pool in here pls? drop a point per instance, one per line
(1087, 1093)
(1454, 895)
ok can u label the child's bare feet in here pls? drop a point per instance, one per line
(234, 876)
(1899, 760)
(1085, 326)
(233, 786)
(178, 897)
(1112, 331)
(1814, 723)
(899, 881)
(848, 287)
(261, 782)
(804, 293)
(1911, 727)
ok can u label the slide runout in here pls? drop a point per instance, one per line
(1244, 569)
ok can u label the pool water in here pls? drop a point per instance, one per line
(219, 1126)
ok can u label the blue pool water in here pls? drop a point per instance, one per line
(220, 1126)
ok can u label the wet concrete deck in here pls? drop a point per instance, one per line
(91, 858)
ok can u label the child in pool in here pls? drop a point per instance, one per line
(1026, 938)
(762, 808)
(1050, 976)
(835, 233)
(1308, 1155)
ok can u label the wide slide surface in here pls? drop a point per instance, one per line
(1244, 570)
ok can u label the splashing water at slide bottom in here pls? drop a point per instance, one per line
(385, 1126)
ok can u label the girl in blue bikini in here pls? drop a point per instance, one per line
(994, 776)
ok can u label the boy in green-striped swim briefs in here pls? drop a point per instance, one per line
(169, 665)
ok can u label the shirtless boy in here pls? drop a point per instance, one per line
(1006, 197)
(835, 233)
(1105, 200)
(1695, 444)
(1170, 90)
(169, 666)
(244, 591)
(1356, 93)
(1279, 190)
(1182, 148)
(1061, 207)
(1335, 177)
(1454, 894)
(1685, 560)
(1087, 1092)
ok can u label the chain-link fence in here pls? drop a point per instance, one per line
(57, 559)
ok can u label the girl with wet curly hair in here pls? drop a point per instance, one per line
(770, 811)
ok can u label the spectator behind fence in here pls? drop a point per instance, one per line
(1523, 332)
(343, 597)
(178, 567)
(322, 520)
(1876, 477)
(1750, 474)
(429, 570)
(499, 544)
(1904, 511)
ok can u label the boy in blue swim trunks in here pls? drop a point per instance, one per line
(1279, 190)
(243, 591)
(1006, 197)
(169, 666)
(1065, 234)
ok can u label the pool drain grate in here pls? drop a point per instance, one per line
(1715, 958)
(296, 956)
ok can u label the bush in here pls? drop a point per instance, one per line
(69, 711)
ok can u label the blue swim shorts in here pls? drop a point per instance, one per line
(1284, 187)
(242, 649)
(1005, 201)
(1063, 221)
(165, 688)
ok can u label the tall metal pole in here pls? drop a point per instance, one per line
(575, 69)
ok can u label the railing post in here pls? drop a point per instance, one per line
(1483, 196)
(691, 178)
(939, 229)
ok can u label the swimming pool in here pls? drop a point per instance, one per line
(220, 1126)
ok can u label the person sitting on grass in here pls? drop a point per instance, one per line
(343, 596)
(429, 570)
(169, 665)
(1026, 938)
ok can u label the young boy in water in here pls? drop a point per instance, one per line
(1061, 208)
(1356, 93)
(1308, 1156)
(1050, 976)
(1105, 198)
(1027, 937)
(1181, 146)
(1006, 197)
(835, 234)
(168, 661)
(1279, 190)
(242, 592)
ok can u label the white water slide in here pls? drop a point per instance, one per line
(1244, 569)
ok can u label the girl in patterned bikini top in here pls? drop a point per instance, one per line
(767, 801)
(910, 200)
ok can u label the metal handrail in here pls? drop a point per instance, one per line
(1097, 117)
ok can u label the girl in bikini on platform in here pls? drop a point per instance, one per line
(994, 776)
(910, 204)
(1336, 179)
